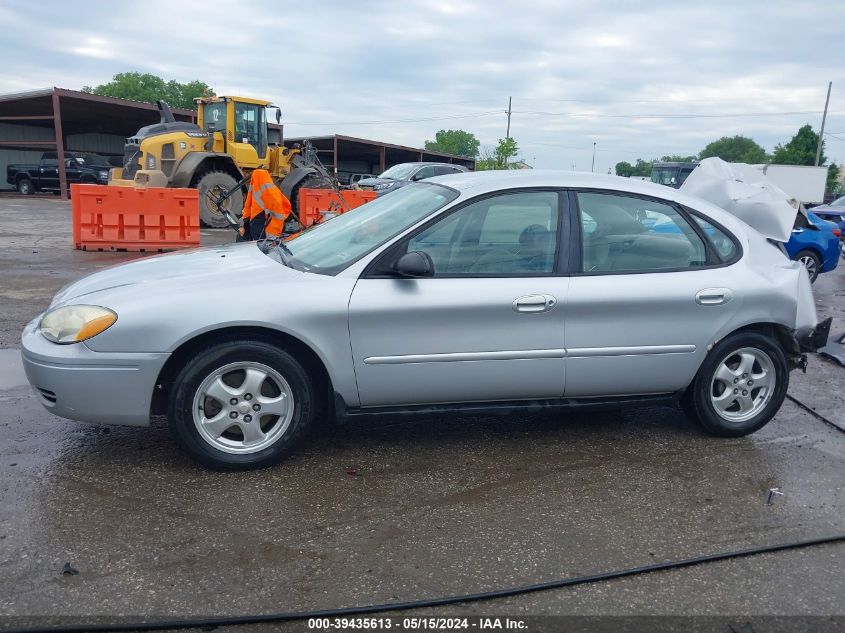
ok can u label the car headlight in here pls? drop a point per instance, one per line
(72, 324)
(104, 175)
(383, 186)
(151, 161)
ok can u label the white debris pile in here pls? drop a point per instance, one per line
(747, 193)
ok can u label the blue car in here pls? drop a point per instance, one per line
(815, 244)
(832, 212)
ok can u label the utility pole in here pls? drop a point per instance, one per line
(821, 132)
(593, 166)
(508, 132)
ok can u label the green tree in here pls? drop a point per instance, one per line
(801, 150)
(150, 88)
(735, 149)
(505, 150)
(624, 168)
(640, 168)
(497, 158)
(677, 158)
(456, 142)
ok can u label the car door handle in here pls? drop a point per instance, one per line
(713, 296)
(534, 303)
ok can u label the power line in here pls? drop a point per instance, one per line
(685, 101)
(721, 115)
(434, 118)
(724, 115)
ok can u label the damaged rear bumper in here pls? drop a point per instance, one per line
(816, 338)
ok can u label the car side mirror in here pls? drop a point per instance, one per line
(415, 264)
(417, 177)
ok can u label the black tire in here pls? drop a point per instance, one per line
(811, 261)
(311, 181)
(205, 365)
(220, 181)
(698, 404)
(25, 187)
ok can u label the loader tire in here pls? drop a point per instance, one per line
(218, 182)
(312, 181)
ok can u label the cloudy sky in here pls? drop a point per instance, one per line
(637, 78)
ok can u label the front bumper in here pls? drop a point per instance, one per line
(75, 382)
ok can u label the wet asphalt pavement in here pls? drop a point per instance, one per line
(395, 510)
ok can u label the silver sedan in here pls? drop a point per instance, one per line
(493, 290)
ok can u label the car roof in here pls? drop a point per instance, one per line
(421, 163)
(480, 182)
(483, 181)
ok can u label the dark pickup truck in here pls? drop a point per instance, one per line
(79, 167)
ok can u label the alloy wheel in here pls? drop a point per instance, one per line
(243, 407)
(810, 264)
(743, 384)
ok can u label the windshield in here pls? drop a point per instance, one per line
(214, 116)
(400, 172)
(839, 202)
(670, 176)
(331, 247)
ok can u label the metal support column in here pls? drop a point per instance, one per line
(381, 153)
(60, 145)
(334, 155)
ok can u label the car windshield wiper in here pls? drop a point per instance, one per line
(284, 248)
(276, 250)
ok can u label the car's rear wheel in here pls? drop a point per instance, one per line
(811, 261)
(740, 386)
(25, 187)
(241, 405)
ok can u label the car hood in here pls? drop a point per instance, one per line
(745, 192)
(210, 264)
(369, 182)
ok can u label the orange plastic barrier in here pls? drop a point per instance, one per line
(315, 204)
(128, 219)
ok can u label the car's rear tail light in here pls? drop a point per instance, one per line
(837, 232)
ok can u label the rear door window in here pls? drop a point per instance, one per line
(628, 234)
(721, 241)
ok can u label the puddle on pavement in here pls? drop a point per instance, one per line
(11, 369)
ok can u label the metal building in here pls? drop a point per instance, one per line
(349, 155)
(61, 120)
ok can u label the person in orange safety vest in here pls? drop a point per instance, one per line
(265, 210)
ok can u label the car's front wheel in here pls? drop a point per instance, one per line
(241, 405)
(740, 386)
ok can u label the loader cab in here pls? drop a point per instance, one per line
(671, 174)
(240, 126)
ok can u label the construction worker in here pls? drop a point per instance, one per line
(265, 210)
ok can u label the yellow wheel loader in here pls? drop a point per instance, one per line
(216, 156)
